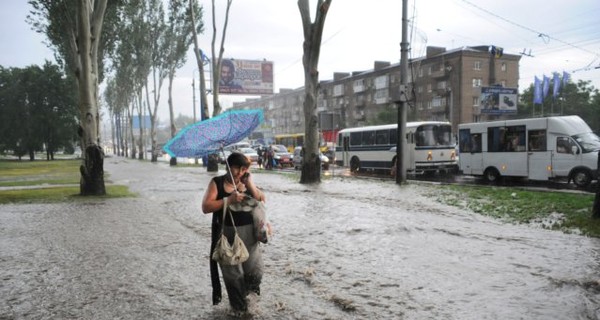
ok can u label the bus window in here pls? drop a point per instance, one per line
(464, 144)
(537, 140)
(394, 136)
(368, 138)
(563, 145)
(476, 142)
(382, 137)
(355, 138)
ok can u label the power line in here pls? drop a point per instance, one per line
(545, 37)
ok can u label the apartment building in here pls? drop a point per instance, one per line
(442, 85)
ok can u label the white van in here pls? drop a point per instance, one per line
(537, 149)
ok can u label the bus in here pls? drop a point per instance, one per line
(430, 147)
(293, 140)
(290, 140)
(537, 149)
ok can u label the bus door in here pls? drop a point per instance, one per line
(470, 158)
(539, 158)
(563, 158)
(346, 147)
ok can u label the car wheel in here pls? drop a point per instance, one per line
(354, 165)
(491, 175)
(582, 178)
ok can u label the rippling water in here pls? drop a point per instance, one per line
(344, 249)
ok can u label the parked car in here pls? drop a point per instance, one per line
(281, 156)
(250, 153)
(298, 159)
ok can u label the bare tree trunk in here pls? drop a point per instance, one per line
(311, 164)
(92, 169)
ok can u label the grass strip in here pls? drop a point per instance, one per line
(565, 211)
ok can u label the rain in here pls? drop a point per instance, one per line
(346, 248)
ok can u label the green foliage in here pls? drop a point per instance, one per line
(37, 109)
(569, 212)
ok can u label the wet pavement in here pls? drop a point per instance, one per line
(343, 249)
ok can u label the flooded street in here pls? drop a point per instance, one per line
(345, 249)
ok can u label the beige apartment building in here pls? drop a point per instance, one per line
(444, 85)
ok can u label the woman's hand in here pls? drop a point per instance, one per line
(236, 197)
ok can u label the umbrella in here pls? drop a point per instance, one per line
(209, 136)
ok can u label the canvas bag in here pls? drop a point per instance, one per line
(226, 254)
(262, 227)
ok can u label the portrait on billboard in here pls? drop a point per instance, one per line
(498, 100)
(228, 76)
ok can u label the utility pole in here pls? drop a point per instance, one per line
(403, 106)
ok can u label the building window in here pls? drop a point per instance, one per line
(338, 90)
(420, 72)
(381, 96)
(475, 101)
(429, 70)
(477, 82)
(441, 85)
(503, 83)
(359, 85)
(420, 89)
(503, 66)
(477, 65)
(381, 82)
(429, 87)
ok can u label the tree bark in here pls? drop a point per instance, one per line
(311, 164)
(86, 50)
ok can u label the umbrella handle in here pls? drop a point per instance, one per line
(229, 170)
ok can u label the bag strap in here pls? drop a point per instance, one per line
(225, 207)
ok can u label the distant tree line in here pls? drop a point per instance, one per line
(38, 111)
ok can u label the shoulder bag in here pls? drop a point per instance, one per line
(229, 254)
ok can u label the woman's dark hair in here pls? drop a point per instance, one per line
(237, 159)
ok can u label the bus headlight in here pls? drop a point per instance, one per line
(429, 156)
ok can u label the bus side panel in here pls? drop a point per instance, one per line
(539, 162)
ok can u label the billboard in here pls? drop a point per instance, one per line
(498, 100)
(247, 77)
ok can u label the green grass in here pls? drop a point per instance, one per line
(565, 211)
(48, 181)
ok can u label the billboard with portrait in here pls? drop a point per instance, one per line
(498, 100)
(247, 77)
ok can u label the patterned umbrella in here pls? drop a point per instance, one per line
(209, 136)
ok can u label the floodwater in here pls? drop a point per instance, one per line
(344, 249)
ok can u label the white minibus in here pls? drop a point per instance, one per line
(538, 149)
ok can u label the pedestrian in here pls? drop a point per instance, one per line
(241, 281)
(260, 157)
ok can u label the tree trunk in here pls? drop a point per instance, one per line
(311, 164)
(92, 172)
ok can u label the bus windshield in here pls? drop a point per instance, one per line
(588, 141)
(433, 135)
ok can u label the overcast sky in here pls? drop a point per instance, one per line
(559, 36)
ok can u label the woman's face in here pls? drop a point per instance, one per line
(238, 172)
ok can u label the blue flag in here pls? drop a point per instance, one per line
(555, 85)
(566, 78)
(545, 86)
(537, 91)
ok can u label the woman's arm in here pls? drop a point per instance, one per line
(209, 202)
